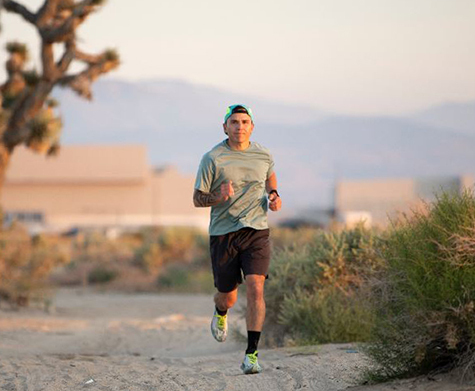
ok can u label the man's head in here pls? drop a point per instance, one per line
(238, 124)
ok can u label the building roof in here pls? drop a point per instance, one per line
(80, 164)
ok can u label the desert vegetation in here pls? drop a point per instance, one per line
(406, 294)
(151, 259)
(318, 292)
(25, 264)
(424, 304)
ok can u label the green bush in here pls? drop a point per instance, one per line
(101, 275)
(425, 304)
(161, 247)
(26, 263)
(174, 277)
(318, 292)
(290, 238)
(186, 278)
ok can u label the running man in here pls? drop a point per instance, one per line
(237, 180)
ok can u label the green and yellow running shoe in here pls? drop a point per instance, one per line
(250, 364)
(219, 327)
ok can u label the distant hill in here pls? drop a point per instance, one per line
(458, 117)
(179, 121)
(168, 106)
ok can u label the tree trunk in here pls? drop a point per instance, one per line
(5, 154)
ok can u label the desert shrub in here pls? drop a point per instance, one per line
(185, 278)
(174, 277)
(149, 257)
(26, 262)
(133, 261)
(170, 245)
(101, 275)
(318, 292)
(425, 303)
(90, 251)
(290, 238)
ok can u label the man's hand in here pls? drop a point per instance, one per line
(275, 203)
(201, 199)
(226, 191)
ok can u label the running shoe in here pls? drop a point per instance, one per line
(219, 327)
(250, 364)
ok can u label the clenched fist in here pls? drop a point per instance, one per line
(275, 203)
(226, 191)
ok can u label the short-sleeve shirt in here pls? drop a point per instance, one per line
(248, 170)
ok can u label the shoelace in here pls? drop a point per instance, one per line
(252, 358)
(221, 321)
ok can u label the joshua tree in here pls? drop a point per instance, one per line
(27, 113)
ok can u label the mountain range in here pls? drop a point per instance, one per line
(180, 121)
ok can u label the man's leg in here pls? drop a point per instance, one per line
(255, 315)
(256, 306)
(219, 325)
(255, 259)
(225, 301)
(227, 277)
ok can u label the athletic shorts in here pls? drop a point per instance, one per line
(245, 251)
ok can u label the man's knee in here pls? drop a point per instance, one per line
(226, 299)
(255, 286)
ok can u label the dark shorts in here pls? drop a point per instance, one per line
(246, 250)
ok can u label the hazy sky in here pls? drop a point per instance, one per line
(351, 56)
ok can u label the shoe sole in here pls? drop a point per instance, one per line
(253, 371)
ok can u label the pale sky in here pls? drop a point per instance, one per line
(346, 56)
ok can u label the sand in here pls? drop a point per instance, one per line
(104, 341)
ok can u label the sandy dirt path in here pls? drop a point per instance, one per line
(96, 341)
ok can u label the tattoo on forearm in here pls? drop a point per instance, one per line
(201, 199)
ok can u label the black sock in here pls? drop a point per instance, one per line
(252, 341)
(222, 313)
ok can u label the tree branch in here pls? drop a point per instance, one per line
(81, 82)
(61, 33)
(18, 130)
(46, 12)
(16, 8)
(12, 139)
(67, 58)
(89, 58)
(50, 72)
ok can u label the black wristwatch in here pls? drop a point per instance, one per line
(274, 191)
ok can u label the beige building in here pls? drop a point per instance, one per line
(97, 186)
(377, 201)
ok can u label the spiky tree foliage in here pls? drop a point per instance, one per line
(27, 113)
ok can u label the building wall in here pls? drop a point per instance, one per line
(172, 195)
(65, 204)
(386, 199)
(68, 197)
(379, 198)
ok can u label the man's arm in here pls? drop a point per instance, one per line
(275, 203)
(202, 199)
(271, 183)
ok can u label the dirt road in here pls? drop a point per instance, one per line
(148, 342)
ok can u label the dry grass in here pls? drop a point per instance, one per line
(134, 262)
(425, 303)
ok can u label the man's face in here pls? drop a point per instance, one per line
(239, 128)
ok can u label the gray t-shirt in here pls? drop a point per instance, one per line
(248, 170)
